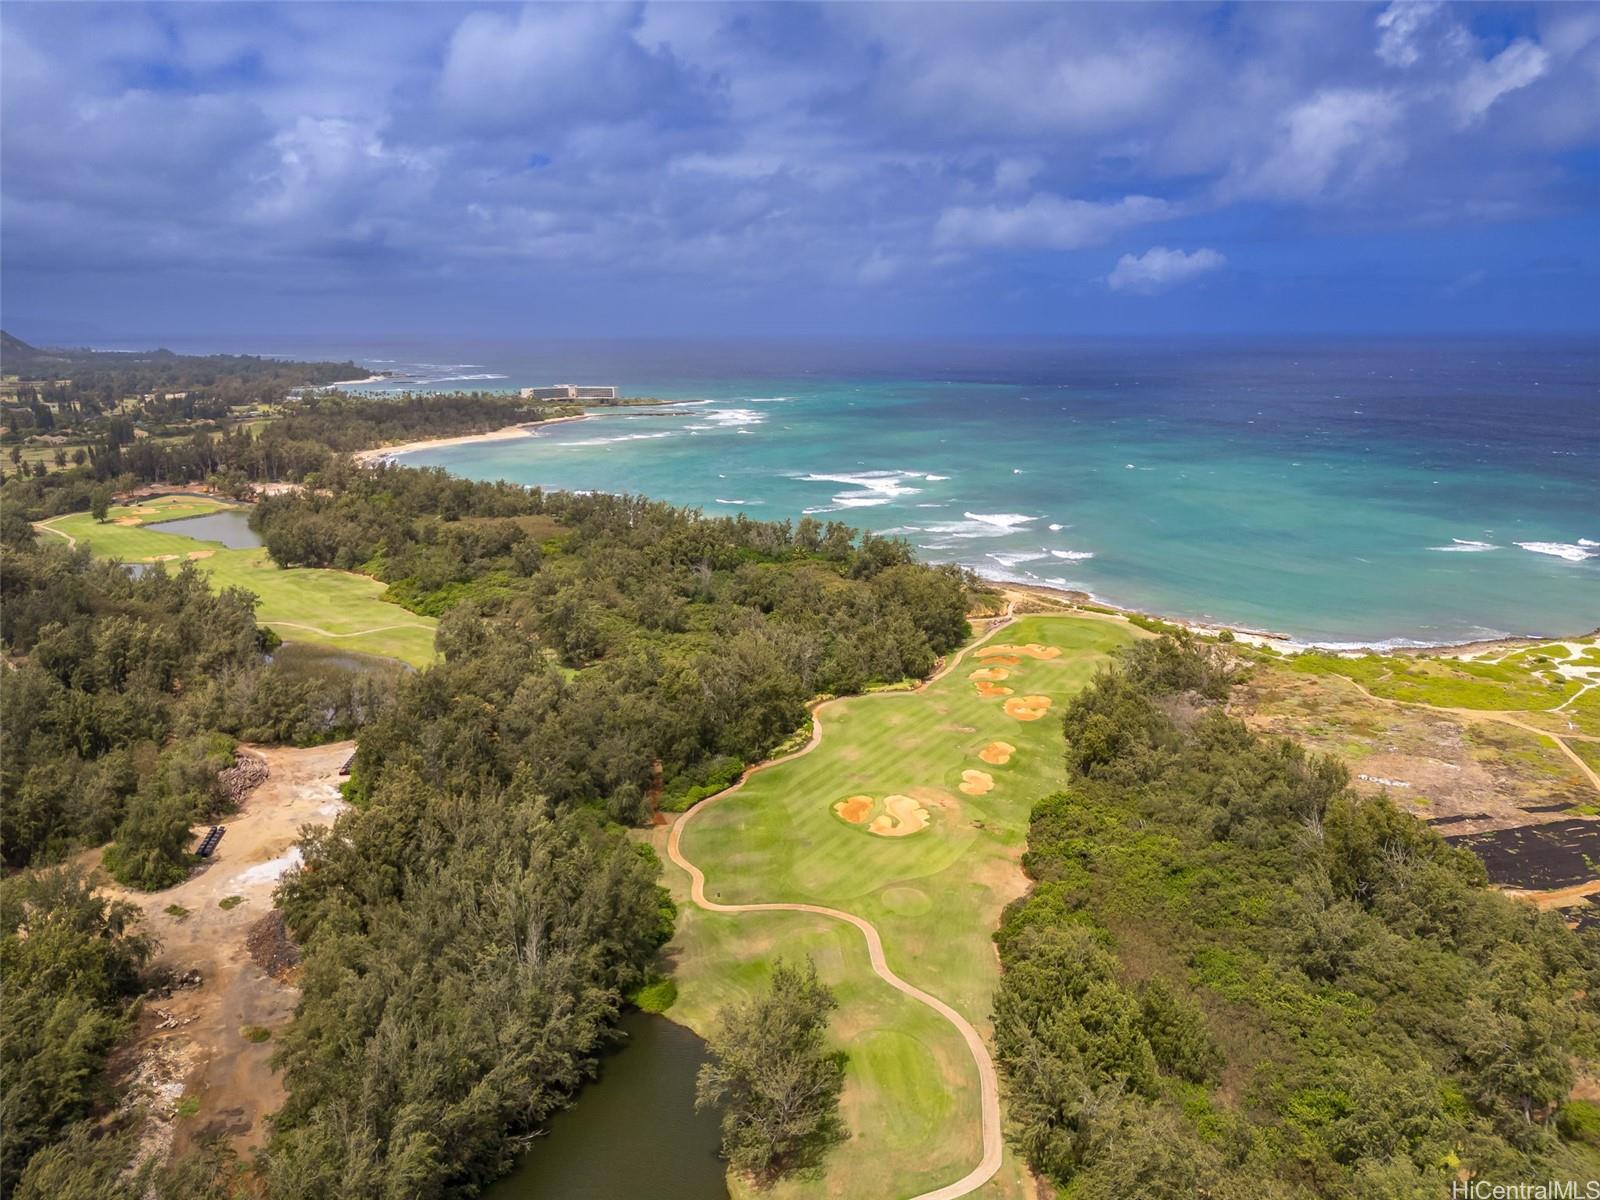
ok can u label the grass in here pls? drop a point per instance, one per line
(911, 1098)
(656, 996)
(229, 902)
(255, 1034)
(332, 608)
(188, 1106)
(1446, 683)
(177, 911)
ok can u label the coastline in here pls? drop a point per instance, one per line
(377, 454)
(1059, 597)
(1066, 599)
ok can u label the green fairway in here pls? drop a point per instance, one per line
(934, 895)
(301, 604)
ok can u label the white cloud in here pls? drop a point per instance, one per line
(1159, 268)
(1398, 26)
(1518, 65)
(1048, 221)
(1328, 144)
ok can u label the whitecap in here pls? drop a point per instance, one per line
(626, 437)
(720, 500)
(732, 417)
(936, 478)
(1057, 528)
(1010, 558)
(1464, 546)
(1572, 552)
(1000, 520)
(766, 399)
(1073, 555)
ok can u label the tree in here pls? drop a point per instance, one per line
(100, 503)
(774, 1077)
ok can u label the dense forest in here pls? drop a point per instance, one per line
(610, 645)
(1237, 978)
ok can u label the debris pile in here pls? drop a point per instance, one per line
(270, 946)
(238, 781)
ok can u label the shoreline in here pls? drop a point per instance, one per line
(377, 454)
(1068, 598)
(1060, 596)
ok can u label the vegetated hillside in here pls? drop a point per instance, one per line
(1237, 978)
(149, 369)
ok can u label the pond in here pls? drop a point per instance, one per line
(633, 1132)
(230, 526)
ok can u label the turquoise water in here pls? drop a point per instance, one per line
(1403, 492)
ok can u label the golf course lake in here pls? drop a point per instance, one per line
(230, 526)
(633, 1132)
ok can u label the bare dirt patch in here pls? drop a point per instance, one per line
(190, 1043)
(992, 674)
(997, 754)
(902, 817)
(990, 691)
(976, 783)
(855, 809)
(1028, 708)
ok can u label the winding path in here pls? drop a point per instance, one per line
(988, 1080)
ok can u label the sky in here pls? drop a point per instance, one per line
(222, 172)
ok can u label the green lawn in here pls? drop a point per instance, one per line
(936, 896)
(301, 604)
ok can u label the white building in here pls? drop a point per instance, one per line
(567, 391)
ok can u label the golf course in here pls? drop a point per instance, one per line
(900, 824)
(301, 604)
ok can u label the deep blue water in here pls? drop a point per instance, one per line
(1338, 491)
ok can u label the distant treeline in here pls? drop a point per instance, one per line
(301, 442)
(108, 375)
(1237, 978)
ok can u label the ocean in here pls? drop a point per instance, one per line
(1340, 492)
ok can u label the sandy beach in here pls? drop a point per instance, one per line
(366, 458)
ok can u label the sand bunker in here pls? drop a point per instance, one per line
(855, 809)
(905, 816)
(988, 689)
(976, 783)
(1028, 708)
(990, 673)
(997, 754)
(1031, 650)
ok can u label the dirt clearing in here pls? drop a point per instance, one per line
(233, 966)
